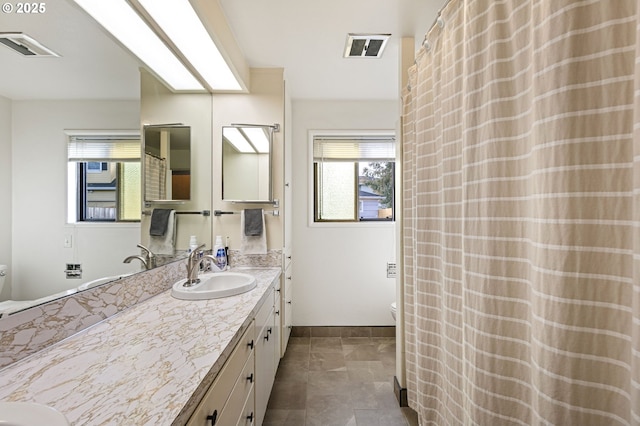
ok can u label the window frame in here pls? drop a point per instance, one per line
(311, 180)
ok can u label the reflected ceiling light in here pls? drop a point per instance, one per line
(257, 138)
(182, 25)
(117, 17)
(238, 140)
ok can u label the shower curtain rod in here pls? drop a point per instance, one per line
(438, 21)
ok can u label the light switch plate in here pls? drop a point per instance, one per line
(391, 269)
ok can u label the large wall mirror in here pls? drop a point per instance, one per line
(246, 163)
(167, 163)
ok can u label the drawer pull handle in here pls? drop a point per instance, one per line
(289, 277)
(266, 337)
(250, 344)
(269, 330)
(250, 378)
(289, 302)
(277, 312)
(250, 417)
(213, 417)
(278, 290)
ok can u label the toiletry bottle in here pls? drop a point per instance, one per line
(193, 244)
(220, 254)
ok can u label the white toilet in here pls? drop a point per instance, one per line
(393, 310)
(3, 274)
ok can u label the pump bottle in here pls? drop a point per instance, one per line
(220, 254)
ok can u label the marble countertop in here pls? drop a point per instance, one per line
(149, 365)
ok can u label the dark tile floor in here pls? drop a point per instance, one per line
(341, 381)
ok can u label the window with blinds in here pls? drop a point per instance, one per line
(104, 177)
(354, 178)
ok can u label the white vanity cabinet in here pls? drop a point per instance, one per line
(286, 303)
(225, 403)
(266, 354)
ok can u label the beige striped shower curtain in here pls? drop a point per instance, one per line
(521, 206)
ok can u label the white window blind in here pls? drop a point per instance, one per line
(101, 148)
(354, 148)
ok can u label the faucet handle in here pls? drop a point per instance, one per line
(149, 252)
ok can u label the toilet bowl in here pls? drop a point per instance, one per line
(393, 310)
(3, 274)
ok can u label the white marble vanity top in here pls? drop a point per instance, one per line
(148, 365)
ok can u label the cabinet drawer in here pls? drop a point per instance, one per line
(217, 395)
(238, 396)
(247, 417)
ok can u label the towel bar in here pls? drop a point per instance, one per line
(220, 212)
(202, 212)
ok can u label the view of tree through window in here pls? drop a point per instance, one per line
(354, 178)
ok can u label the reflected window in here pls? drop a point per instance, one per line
(104, 176)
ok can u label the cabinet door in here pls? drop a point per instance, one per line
(265, 372)
(287, 309)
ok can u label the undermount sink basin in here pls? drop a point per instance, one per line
(30, 414)
(214, 286)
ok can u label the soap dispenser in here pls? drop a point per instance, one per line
(220, 254)
(193, 243)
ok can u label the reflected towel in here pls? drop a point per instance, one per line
(164, 244)
(253, 244)
(159, 222)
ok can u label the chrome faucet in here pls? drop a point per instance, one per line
(128, 259)
(148, 258)
(149, 255)
(193, 266)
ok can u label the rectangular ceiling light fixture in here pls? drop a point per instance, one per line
(248, 139)
(124, 23)
(184, 28)
(365, 45)
(25, 45)
(237, 139)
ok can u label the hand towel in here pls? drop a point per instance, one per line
(159, 222)
(253, 219)
(256, 244)
(164, 244)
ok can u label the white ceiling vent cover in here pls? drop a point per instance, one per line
(365, 45)
(25, 45)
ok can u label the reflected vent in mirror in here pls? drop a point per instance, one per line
(25, 45)
(365, 45)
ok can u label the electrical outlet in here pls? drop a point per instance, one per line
(391, 269)
(68, 241)
(73, 271)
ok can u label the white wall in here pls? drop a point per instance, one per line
(158, 105)
(39, 178)
(5, 191)
(339, 271)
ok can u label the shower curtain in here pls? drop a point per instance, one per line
(521, 206)
(155, 177)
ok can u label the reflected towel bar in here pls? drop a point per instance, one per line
(202, 212)
(271, 212)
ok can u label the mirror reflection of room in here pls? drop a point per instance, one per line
(246, 163)
(167, 162)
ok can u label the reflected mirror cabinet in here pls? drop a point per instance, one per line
(247, 163)
(167, 163)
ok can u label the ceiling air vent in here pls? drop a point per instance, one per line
(365, 45)
(25, 45)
